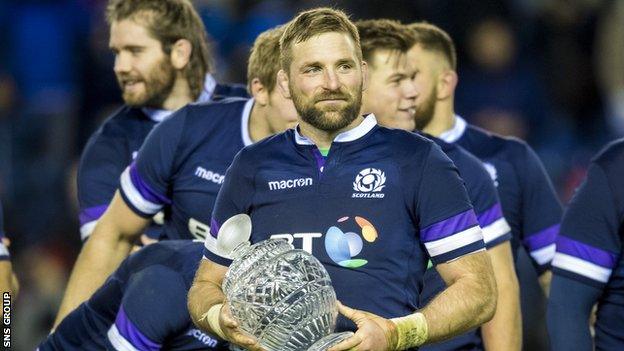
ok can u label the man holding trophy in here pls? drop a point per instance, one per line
(373, 205)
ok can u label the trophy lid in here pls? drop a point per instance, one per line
(235, 232)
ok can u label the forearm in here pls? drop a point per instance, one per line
(468, 302)
(544, 282)
(6, 273)
(99, 257)
(204, 294)
(504, 331)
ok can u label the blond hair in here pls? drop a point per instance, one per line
(169, 21)
(264, 58)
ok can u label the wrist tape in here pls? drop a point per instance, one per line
(412, 331)
(212, 316)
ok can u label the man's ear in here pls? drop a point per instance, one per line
(447, 82)
(259, 92)
(282, 83)
(181, 54)
(364, 75)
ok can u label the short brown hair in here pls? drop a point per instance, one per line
(383, 34)
(264, 58)
(314, 22)
(433, 38)
(169, 21)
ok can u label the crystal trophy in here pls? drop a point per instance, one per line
(281, 295)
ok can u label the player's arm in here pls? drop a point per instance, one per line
(8, 281)
(111, 241)
(588, 248)
(541, 213)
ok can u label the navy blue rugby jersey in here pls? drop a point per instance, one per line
(4, 251)
(529, 202)
(374, 211)
(589, 253)
(484, 198)
(182, 165)
(115, 145)
(142, 306)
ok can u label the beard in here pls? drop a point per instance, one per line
(424, 111)
(328, 118)
(158, 85)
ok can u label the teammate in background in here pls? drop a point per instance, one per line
(142, 306)
(588, 267)
(162, 62)
(529, 202)
(181, 166)
(403, 193)
(391, 97)
(8, 281)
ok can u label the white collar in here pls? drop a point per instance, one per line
(362, 129)
(453, 134)
(159, 115)
(245, 122)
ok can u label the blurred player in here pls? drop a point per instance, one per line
(181, 165)
(588, 267)
(391, 96)
(142, 306)
(162, 62)
(8, 282)
(341, 173)
(528, 200)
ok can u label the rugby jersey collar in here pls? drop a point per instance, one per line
(245, 122)
(159, 115)
(453, 134)
(356, 133)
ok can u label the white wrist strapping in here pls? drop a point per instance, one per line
(412, 330)
(212, 316)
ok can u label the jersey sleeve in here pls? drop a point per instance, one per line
(103, 160)
(153, 309)
(541, 211)
(448, 224)
(484, 198)
(589, 242)
(145, 184)
(234, 198)
(4, 251)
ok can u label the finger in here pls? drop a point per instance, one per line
(348, 344)
(241, 338)
(349, 312)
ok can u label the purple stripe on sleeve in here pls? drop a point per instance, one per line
(91, 214)
(586, 252)
(214, 227)
(449, 226)
(146, 192)
(490, 216)
(542, 238)
(131, 333)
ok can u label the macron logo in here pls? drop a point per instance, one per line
(290, 183)
(209, 175)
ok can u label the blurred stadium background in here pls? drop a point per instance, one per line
(548, 71)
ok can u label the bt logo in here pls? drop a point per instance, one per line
(341, 247)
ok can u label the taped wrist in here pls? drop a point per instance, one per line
(412, 331)
(212, 316)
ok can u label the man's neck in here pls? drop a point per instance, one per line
(443, 120)
(180, 96)
(259, 127)
(322, 138)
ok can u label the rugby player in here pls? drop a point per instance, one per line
(588, 267)
(338, 173)
(181, 166)
(391, 97)
(162, 62)
(8, 282)
(142, 306)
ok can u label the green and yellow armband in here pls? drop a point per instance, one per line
(412, 331)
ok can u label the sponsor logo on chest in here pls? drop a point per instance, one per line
(289, 183)
(214, 177)
(204, 338)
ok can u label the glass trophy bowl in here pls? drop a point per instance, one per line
(282, 296)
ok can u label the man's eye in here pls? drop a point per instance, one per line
(312, 69)
(345, 67)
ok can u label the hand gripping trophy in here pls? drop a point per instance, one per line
(281, 295)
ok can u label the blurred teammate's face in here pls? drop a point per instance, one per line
(391, 93)
(144, 72)
(426, 66)
(325, 81)
(282, 113)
